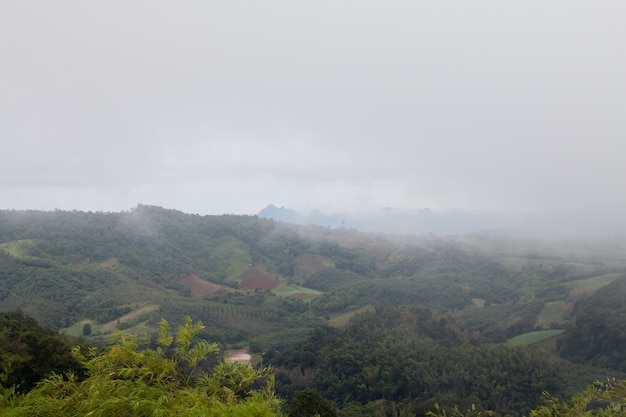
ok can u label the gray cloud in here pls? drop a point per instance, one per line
(227, 106)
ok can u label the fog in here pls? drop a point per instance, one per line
(342, 107)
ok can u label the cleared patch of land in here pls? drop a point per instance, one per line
(233, 257)
(18, 248)
(343, 319)
(552, 313)
(255, 277)
(76, 330)
(127, 318)
(479, 302)
(201, 288)
(533, 337)
(239, 355)
(592, 284)
(289, 290)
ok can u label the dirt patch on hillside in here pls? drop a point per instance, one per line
(201, 288)
(255, 277)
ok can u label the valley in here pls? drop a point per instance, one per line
(333, 308)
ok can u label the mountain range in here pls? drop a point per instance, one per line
(591, 222)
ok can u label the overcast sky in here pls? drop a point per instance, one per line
(217, 107)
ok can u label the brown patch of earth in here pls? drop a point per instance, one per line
(255, 277)
(201, 288)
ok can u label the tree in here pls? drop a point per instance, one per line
(309, 403)
(597, 400)
(130, 379)
(29, 352)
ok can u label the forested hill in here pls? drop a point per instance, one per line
(268, 286)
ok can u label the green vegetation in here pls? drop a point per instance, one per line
(18, 248)
(343, 319)
(593, 283)
(290, 290)
(429, 362)
(552, 314)
(130, 379)
(479, 302)
(531, 338)
(599, 334)
(417, 320)
(29, 352)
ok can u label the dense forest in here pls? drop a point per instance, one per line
(352, 324)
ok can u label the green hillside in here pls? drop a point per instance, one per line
(270, 287)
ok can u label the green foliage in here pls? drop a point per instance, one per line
(598, 400)
(309, 403)
(130, 379)
(533, 337)
(456, 412)
(69, 268)
(411, 357)
(599, 334)
(30, 351)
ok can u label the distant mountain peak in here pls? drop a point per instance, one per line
(282, 214)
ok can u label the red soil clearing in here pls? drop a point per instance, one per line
(254, 278)
(200, 287)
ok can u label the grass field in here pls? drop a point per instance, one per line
(126, 318)
(18, 248)
(593, 283)
(76, 330)
(552, 313)
(289, 290)
(533, 337)
(479, 302)
(343, 319)
(234, 257)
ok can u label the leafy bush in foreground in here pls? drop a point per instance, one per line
(130, 379)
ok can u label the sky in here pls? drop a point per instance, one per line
(215, 107)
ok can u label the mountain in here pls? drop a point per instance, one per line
(592, 222)
(388, 220)
(283, 214)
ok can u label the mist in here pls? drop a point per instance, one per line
(344, 107)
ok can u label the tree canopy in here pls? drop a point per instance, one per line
(129, 378)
